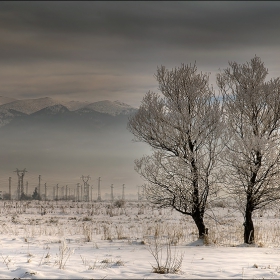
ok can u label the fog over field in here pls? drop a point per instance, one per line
(62, 145)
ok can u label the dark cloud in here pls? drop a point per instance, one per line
(145, 20)
(128, 39)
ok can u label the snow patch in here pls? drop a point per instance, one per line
(111, 107)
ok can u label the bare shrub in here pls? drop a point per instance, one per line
(87, 219)
(87, 231)
(120, 203)
(6, 261)
(107, 233)
(109, 211)
(106, 263)
(64, 253)
(168, 262)
(119, 232)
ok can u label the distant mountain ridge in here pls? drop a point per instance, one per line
(4, 100)
(29, 106)
(7, 115)
(17, 109)
(109, 107)
(52, 110)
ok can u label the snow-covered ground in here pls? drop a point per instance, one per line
(70, 240)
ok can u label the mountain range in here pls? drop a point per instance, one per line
(13, 109)
(63, 140)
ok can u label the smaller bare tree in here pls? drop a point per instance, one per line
(182, 125)
(252, 155)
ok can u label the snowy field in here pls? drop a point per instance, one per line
(70, 240)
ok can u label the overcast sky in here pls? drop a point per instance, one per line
(110, 50)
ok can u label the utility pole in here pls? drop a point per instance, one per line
(20, 174)
(56, 192)
(123, 197)
(10, 188)
(53, 192)
(112, 193)
(39, 186)
(26, 189)
(78, 193)
(45, 192)
(66, 193)
(99, 193)
(62, 193)
(85, 192)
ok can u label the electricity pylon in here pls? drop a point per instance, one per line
(85, 191)
(20, 190)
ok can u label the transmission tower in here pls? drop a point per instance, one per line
(99, 193)
(85, 191)
(20, 174)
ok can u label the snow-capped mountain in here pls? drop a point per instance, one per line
(29, 106)
(74, 111)
(4, 100)
(75, 105)
(6, 116)
(52, 110)
(112, 108)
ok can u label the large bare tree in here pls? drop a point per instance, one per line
(252, 155)
(182, 124)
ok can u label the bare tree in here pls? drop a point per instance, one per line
(252, 112)
(182, 125)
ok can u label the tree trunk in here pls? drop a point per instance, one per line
(198, 219)
(248, 227)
